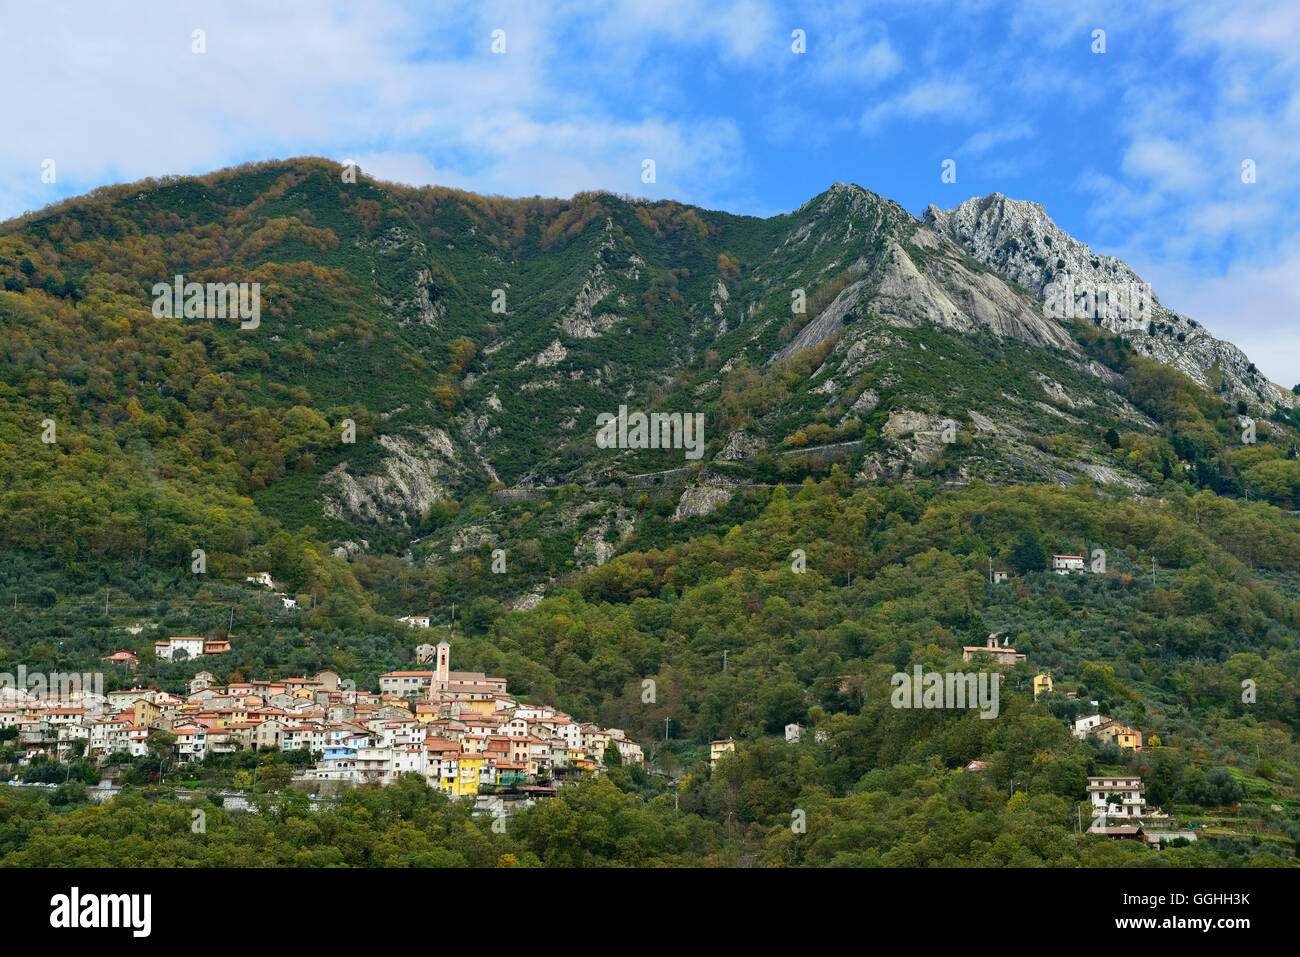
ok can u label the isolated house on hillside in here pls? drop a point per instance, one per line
(1003, 656)
(1119, 798)
(1065, 564)
(718, 748)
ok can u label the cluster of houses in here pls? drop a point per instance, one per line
(1108, 729)
(457, 729)
(180, 649)
(173, 649)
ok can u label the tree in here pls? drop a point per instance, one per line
(161, 745)
(1028, 555)
(274, 776)
(612, 757)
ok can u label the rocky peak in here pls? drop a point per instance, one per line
(1019, 240)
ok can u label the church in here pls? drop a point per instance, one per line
(474, 685)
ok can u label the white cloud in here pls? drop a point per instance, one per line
(1253, 306)
(1167, 165)
(929, 99)
(845, 47)
(985, 140)
(116, 94)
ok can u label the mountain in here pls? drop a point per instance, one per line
(411, 427)
(474, 341)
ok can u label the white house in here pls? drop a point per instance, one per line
(1130, 792)
(1064, 564)
(415, 621)
(167, 650)
(1089, 724)
(628, 750)
(261, 578)
(191, 742)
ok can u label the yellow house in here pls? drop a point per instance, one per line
(466, 783)
(227, 717)
(578, 759)
(718, 748)
(1128, 738)
(1042, 682)
(145, 714)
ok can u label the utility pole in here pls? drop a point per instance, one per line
(990, 569)
(106, 591)
(666, 720)
(1153, 571)
(724, 659)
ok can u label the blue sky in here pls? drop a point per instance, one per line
(1136, 151)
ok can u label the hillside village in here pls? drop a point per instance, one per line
(459, 730)
(468, 737)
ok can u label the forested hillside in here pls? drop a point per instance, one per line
(827, 539)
